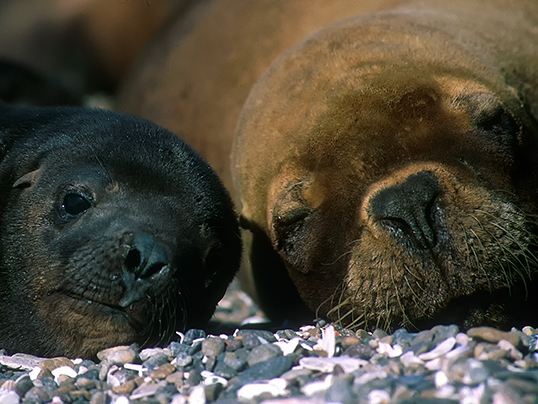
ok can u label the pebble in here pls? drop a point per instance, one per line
(213, 346)
(311, 365)
(262, 353)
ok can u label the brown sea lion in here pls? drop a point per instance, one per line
(194, 77)
(388, 164)
(87, 45)
(112, 231)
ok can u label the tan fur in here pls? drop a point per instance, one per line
(361, 106)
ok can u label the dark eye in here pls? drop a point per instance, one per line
(287, 226)
(75, 204)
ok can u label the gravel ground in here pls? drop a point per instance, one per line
(314, 364)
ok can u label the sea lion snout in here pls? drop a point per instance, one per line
(408, 210)
(146, 265)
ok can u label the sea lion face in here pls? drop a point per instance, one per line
(393, 195)
(112, 233)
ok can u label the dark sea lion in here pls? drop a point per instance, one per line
(388, 164)
(112, 231)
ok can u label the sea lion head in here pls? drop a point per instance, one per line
(394, 174)
(112, 231)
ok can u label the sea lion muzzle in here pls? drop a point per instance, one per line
(146, 265)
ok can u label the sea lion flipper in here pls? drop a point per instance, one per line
(27, 179)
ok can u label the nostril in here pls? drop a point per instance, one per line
(146, 257)
(151, 270)
(133, 260)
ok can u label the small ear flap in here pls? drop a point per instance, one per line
(27, 180)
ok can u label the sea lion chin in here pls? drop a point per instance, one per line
(112, 231)
(388, 165)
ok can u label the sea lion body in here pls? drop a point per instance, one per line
(112, 231)
(387, 165)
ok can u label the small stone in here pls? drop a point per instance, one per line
(231, 360)
(490, 334)
(183, 359)
(266, 336)
(379, 397)
(514, 354)
(213, 346)
(287, 334)
(146, 390)
(125, 388)
(251, 391)
(85, 383)
(288, 347)
(266, 370)
(37, 395)
(197, 395)
(528, 330)
(250, 341)
(234, 345)
(441, 349)
(476, 372)
(211, 378)
(349, 342)
(195, 376)
(212, 391)
(23, 384)
(316, 387)
(410, 359)
(119, 355)
(54, 363)
(120, 400)
(402, 337)
(9, 397)
(175, 377)
(155, 361)
(295, 373)
(263, 353)
(192, 335)
(340, 392)
(361, 351)
(209, 362)
(379, 334)
(423, 336)
(98, 398)
(92, 374)
(443, 332)
(223, 370)
(162, 371)
(80, 394)
(179, 399)
(326, 365)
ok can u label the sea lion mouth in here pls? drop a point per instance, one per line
(131, 314)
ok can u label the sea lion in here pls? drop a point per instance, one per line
(87, 45)
(387, 165)
(112, 231)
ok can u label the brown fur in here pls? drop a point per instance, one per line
(86, 44)
(445, 91)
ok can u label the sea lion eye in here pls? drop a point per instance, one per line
(75, 204)
(287, 225)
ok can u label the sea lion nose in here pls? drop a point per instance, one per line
(408, 208)
(146, 257)
(146, 264)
